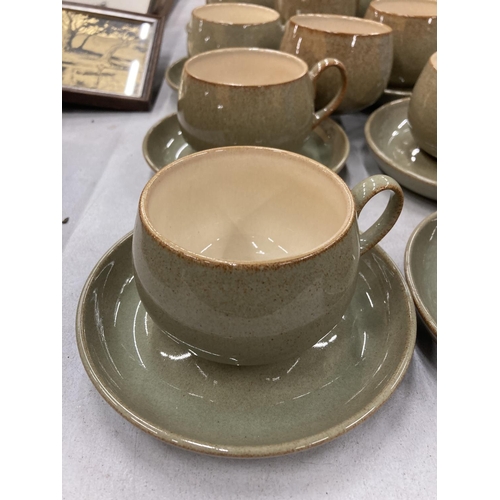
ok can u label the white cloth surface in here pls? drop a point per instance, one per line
(392, 455)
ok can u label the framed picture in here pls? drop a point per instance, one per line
(109, 57)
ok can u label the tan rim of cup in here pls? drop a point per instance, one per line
(384, 29)
(378, 6)
(268, 264)
(206, 55)
(246, 6)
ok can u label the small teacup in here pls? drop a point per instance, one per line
(414, 25)
(248, 96)
(289, 8)
(365, 47)
(422, 111)
(250, 255)
(264, 3)
(224, 25)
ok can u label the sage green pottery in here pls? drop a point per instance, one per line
(249, 255)
(224, 25)
(164, 143)
(414, 25)
(163, 389)
(421, 270)
(289, 8)
(174, 73)
(251, 96)
(264, 3)
(393, 146)
(364, 47)
(422, 112)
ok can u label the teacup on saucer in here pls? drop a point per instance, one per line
(397, 154)
(164, 143)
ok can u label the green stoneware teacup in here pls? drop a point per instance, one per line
(289, 8)
(250, 96)
(422, 111)
(224, 25)
(250, 255)
(364, 47)
(414, 25)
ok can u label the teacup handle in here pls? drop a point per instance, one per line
(363, 193)
(314, 74)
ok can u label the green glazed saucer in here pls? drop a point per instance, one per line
(421, 270)
(258, 411)
(164, 143)
(174, 73)
(392, 144)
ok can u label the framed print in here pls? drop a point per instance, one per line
(109, 57)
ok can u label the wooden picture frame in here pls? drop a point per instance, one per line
(109, 57)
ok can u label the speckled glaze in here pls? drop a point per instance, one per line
(164, 143)
(422, 112)
(264, 3)
(249, 303)
(414, 24)
(393, 146)
(220, 26)
(247, 101)
(421, 270)
(261, 411)
(289, 8)
(364, 47)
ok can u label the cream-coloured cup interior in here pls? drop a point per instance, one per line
(341, 24)
(247, 205)
(246, 66)
(407, 7)
(434, 60)
(244, 14)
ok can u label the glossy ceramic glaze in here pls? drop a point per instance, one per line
(164, 143)
(289, 8)
(223, 25)
(422, 112)
(247, 96)
(421, 270)
(174, 73)
(364, 47)
(394, 148)
(160, 387)
(264, 3)
(414, 24)
(249, 255)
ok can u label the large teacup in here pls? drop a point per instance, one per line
(414, 25)
(225, 25)
(422, 110)
(250, 255)
(246, 96)
(365, 48)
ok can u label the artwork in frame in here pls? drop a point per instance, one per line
(109, 57)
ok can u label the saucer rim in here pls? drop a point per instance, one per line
(334, 125)
(422, 309)
(398, 92)
(169, 81)
(245, 451)
(382, 157)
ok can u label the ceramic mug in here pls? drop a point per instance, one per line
(414, 25)
(289, 8)
(422, 110)
(223, 25)
(264, 3)
(250, 255)
(250, 96)
(365, 48)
